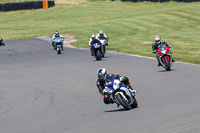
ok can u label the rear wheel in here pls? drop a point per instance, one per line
(123, 102)
(167, 64)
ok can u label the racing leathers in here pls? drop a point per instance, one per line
(102, 36)
(53, 38)
(1, 42)
(89, 43)
(101, 86)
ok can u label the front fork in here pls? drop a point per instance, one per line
(161, 58)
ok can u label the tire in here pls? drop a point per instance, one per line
(167, 64)
(98, 55)
(59, 51)
(123, 102)
(104, 51)
(135, 104)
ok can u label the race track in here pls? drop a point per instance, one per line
(42, 92)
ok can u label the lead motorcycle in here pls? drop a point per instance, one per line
(58, 42)
(97, 50)
(120, 93)
(164, 56)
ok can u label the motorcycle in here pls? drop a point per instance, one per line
(97, 50)
(104, 48)
(1, 42)
(120, 93)
(58, 42)
(164, 56)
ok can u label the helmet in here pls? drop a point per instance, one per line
(93, 36)
(57, 33)
(100, 32)
(101, 73)
(157, 39)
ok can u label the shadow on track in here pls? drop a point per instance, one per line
(167, 71)
(107, 57)
(119, 110)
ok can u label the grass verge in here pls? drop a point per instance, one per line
(130, 27)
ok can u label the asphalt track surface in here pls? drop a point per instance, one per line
(42, 92)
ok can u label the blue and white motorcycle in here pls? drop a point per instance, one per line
(58, 44)
(120, 94)
(104, 48)
(97, 49)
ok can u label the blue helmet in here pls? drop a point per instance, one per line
(57, 33)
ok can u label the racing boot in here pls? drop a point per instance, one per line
(173, 60)
(92, 52)
(118, 105)
(107, 99)
(158, 62)
(62, 47)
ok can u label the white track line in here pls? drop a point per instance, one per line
(113, 52)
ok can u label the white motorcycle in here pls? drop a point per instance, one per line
(104, 48)
(120, 94)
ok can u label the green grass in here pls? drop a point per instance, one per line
(15, 1)
(130, 27)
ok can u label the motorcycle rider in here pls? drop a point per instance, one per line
(102, 35)
(94, 41)
(92, 37)
(102, 76)
(1, 42)
(156, 43)
(53, 38)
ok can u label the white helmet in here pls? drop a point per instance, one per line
(93, 36)
(157, 39)
(101, 73)
(100, 32)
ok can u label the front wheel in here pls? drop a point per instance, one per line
(59, 50)
(122, 102)
(167, 64)
(104, 51)
(135, 103)
(98, 55)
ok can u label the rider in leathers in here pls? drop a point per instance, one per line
(102, 35)
(156, 43)
(89, 43)
(1, 42)
(102, 75)
(53, 38)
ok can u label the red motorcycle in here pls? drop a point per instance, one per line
(164, 56)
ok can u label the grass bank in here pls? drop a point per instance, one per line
(15, 1)
(130, 27)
